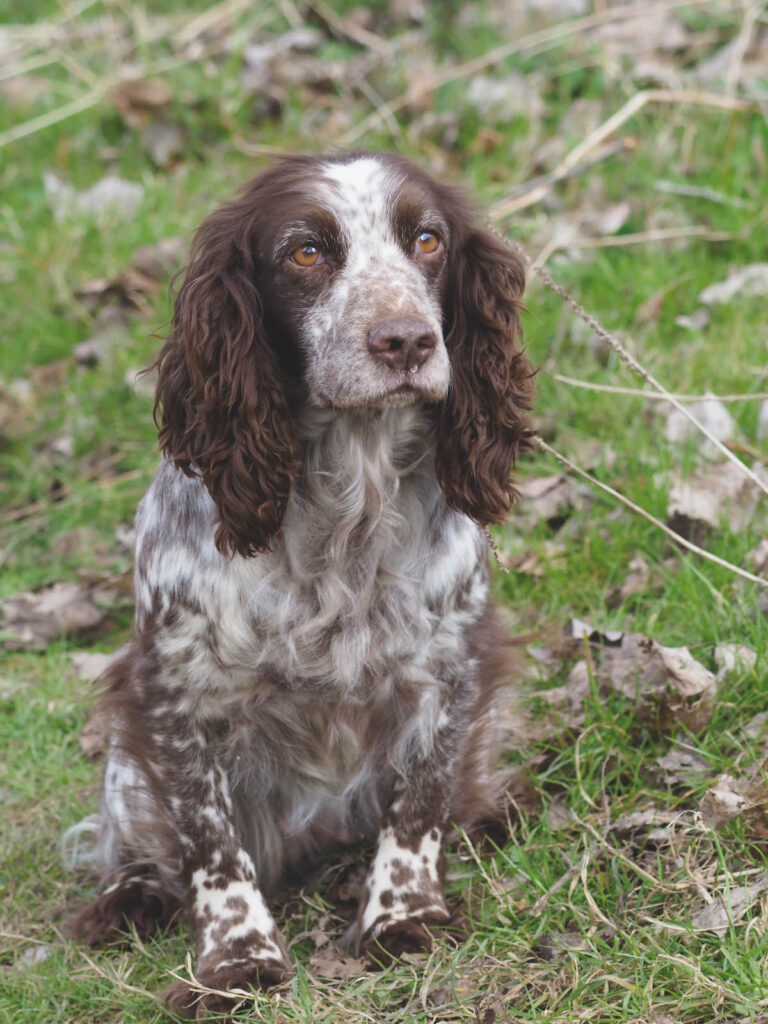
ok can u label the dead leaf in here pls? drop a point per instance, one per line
(161, 259)
(140, 99)
(502, 100)
(150, 265)
(636, 582)
(711, 414)
(653, 825)
(89, 665)
(681, 767)
(671, 688)
(758, 557)
(112, 196)
(567, 701)
(697, 321)
(745, 798)
(164, 142)
(330, 963)
(727, 908)
(33, 620)
(714, 495)
(551, 498)
(731, 658)
(94, 738)
(744, 282)
(755, 728)
(98, 349)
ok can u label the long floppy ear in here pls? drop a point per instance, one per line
(221, 403)
(482, 426)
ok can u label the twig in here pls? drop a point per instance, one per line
(630, 361)
(573, 468)
(654, 396)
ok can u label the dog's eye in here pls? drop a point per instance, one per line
(427, 242)
(307, 255)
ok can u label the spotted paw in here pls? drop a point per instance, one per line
(214, 998)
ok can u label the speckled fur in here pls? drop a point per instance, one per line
(344, 680)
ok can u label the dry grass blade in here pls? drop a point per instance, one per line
(645, 237)
(702, 552)
(575, 160)
(655, 396)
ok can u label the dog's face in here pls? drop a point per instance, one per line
(346, 282)
(353, 256)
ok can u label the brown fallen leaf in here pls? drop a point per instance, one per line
(89, 665)
(145, 275)
(745, 798)
(734, 659)
(728, 907)
(670, 687)
(33, 620)
(94, 737)
(551, 498)
(329, 962)
(140, 99)
(636, 582)
(714, 495)
(681, 766)
(712, 414)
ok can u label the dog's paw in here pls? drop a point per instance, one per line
(398, 937)
(135, 902)
(213, 996)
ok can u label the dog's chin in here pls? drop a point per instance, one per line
(399, 394)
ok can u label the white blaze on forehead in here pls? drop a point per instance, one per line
(362, 198)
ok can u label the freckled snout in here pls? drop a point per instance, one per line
(402, 343)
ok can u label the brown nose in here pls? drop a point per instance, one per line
(403, 343)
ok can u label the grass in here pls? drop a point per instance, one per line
(612, 941)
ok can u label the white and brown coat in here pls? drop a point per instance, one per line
(316, 659)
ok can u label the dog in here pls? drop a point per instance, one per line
(316, 658)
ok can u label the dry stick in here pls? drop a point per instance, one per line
(630, 360)
(644, 237)
(655, 396)
(573, 468)
(545, 38)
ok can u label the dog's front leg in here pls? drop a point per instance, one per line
(238, 942)
(404, 888)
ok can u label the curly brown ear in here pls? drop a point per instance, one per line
(221, 402)
(482, 427)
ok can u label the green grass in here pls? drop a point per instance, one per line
(77, 449)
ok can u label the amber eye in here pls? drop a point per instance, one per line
(306, 255)
(427, 242)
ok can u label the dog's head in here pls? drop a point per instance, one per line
(345, 282)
